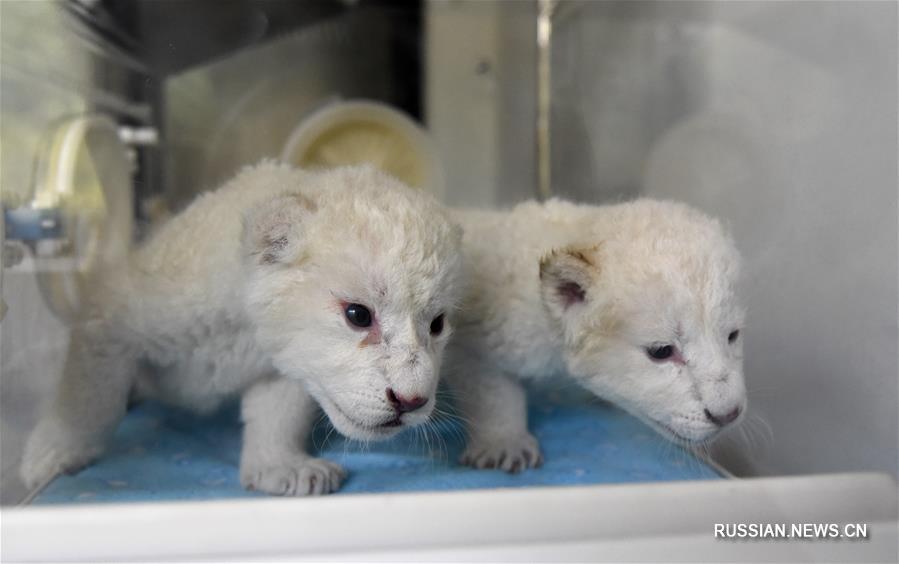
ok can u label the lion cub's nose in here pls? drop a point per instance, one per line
(405, 405)
(722, 420)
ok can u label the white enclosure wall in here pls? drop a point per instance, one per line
(43, 78)
(480, 98)
(779, 118)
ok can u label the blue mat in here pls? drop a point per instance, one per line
(160, 453)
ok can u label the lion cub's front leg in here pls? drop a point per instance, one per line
(278, 413)
(494, 406)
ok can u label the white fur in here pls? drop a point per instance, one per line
(243, 293)
(650, 272)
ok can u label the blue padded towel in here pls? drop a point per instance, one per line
(160, 453)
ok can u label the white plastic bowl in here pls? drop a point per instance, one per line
(359, 131)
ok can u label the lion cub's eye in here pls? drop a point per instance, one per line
(660, 352)
(437, 325)
(734, 335)
(358, 315)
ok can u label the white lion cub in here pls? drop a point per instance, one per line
(635, 301)
(287, 287)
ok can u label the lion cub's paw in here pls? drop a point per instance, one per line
(51, 451)
(512, 454)
(300, 476)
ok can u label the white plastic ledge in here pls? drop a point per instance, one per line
(660, 521)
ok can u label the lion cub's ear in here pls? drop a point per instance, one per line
(274, 229)
(567, 277)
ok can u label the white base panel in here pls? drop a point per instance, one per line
(660, 521)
